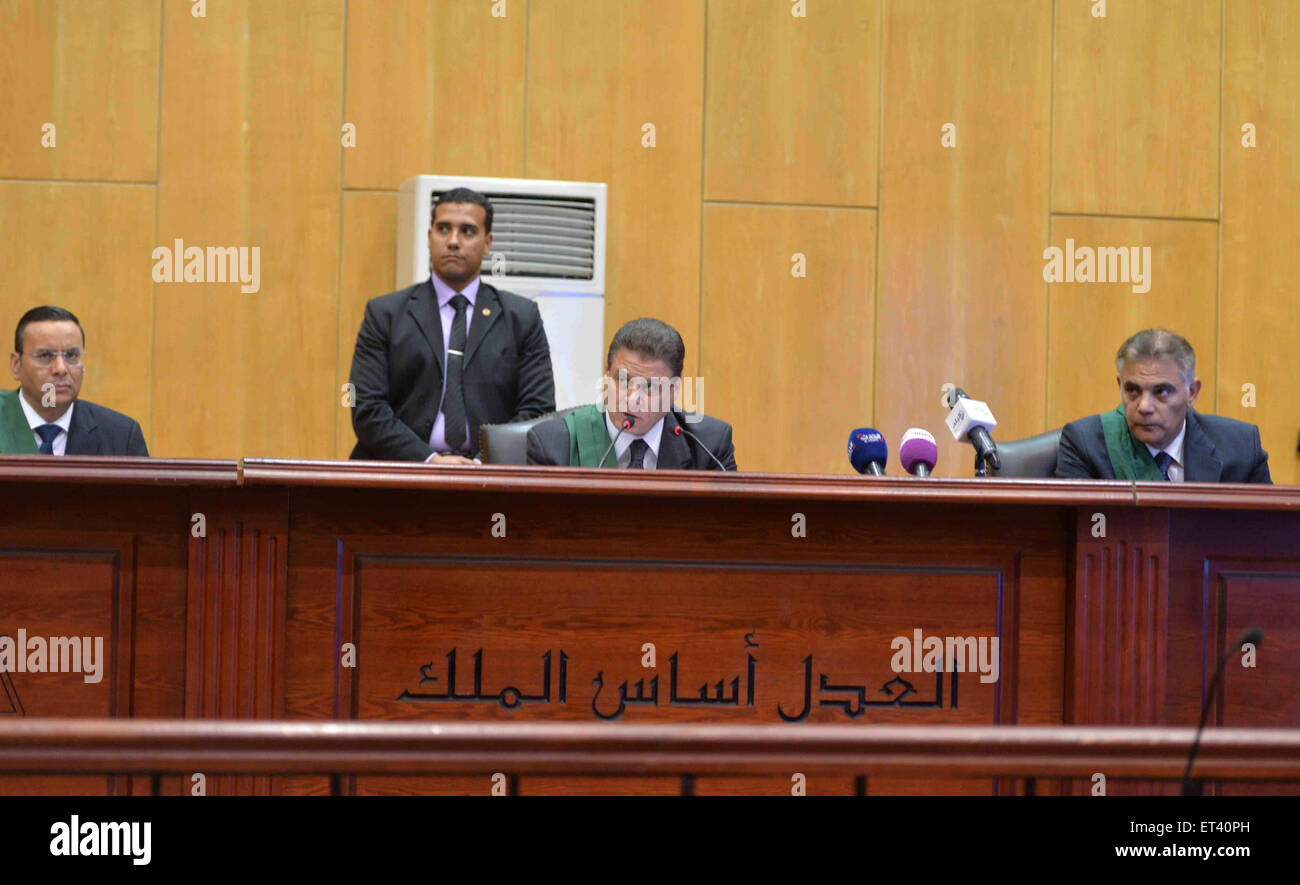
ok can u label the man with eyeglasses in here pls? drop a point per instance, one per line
(44, 417)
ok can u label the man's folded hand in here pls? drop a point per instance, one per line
(450, 459)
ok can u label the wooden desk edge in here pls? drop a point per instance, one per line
(668, 483)
(107, 745)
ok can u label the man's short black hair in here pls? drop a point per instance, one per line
(462, 195)
(45, 314)
(652, 339)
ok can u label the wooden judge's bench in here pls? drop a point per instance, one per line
(324, 591)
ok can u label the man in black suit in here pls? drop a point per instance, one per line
(437, 359)
(642, 375)
(1155, 434)
(44, 415)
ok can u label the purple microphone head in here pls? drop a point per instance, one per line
(918, 447)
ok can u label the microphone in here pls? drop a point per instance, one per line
(971, 420)
(1255, 637)
(628, 421)
(868, 451)
(679, 430)
(918, 452)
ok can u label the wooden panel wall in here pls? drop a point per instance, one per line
(1123, 130)
(1259, 237)
(598, 73)
(1136, 108)
(1090, 320)
(961, 227)
(793, 105)
(253, 90)
(810, 326)
(434, 86)
(90, 69)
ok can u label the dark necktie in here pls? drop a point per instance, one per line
(1163, 460)
(453, 401)
(639, 448)
(48, 433)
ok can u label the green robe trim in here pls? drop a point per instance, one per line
(1129, 457)
(588, 437)
(15, 433)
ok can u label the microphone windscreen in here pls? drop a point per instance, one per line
(866, 444)
(918, 446)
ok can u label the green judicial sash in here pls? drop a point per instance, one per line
(588, 437)
(1129, 458)
(15, 433)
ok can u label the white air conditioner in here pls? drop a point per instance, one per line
(548, 244)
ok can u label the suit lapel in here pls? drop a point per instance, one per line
(83, 433)
(424, 310)
(486, 300)
(1203, 464)
(674, 453)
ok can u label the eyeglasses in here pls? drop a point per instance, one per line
(46, 358)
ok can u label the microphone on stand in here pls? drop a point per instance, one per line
(679, 430)
(868, 451)
(970, 421)
(918, 452)
(628, 421)
(1253, 636)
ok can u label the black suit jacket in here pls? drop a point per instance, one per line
(1215, 449)
(548, 443)
(97, 430)
(398, 364)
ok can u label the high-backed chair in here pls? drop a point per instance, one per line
(508, 443)
(1033, 457)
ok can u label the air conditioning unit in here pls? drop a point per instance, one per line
(548, 244)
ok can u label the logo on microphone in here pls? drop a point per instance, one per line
(863, 439)
(868, 437)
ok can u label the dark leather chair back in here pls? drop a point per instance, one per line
(1031, 458)
(508, 443)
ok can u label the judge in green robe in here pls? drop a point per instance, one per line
(638, 425)
(44, 415)
(1155, 434)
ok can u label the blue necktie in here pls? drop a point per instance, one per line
(639, 448)
(1163, 460)
(48, 433)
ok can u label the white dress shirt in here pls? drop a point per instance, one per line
(623, 445)
(1175, 450)
(35, 420)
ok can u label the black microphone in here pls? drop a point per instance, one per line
(1255, 637)
(679, 430)
(627, 422)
